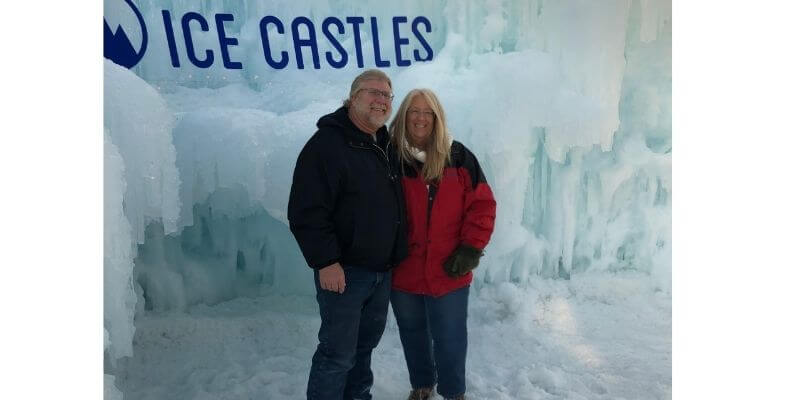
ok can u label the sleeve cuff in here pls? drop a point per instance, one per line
(325, 264)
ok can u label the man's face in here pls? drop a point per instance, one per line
(371, 104)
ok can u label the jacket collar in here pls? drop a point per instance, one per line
(340, 120)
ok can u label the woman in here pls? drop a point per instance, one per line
(451, 213)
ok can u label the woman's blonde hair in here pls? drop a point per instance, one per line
(437, 151)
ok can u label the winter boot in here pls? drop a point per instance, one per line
(420, 394)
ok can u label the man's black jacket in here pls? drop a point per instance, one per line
(346, 204)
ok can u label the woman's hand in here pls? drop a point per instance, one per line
(465, 258)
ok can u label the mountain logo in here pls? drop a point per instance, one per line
(117, 46)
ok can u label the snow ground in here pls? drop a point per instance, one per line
(597, 336)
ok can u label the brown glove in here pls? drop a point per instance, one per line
(465, 258)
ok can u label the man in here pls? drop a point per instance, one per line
(347, 212)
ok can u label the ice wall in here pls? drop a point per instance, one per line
(140, 187)
(139, 123)
(119, 297)
(235, 237)
(565, 103)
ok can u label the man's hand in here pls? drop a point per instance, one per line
(332, 278)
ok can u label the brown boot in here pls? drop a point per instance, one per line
(420, 394)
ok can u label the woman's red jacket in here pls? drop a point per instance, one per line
(460, 209)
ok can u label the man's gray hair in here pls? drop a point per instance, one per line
(368, 75)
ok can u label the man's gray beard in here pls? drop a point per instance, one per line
(379, 121)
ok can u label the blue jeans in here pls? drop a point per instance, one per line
(352, 325)
(433, 331)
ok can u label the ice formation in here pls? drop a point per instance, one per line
(567, 105)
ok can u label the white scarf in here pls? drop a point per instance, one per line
(417, 153)
(420, 154)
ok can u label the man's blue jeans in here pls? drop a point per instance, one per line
(433, 331)
(352, 325)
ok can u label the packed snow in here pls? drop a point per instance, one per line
(596, 336)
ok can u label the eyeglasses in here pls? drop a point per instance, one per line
(417, 113)
(376, 93)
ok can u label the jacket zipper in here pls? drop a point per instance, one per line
(374, 146)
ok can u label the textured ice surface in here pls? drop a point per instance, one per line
(139, 123)
(119, 299)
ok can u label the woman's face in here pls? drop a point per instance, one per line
(419, 121)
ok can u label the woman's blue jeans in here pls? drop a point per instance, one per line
(433, 331)
(352, 325)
